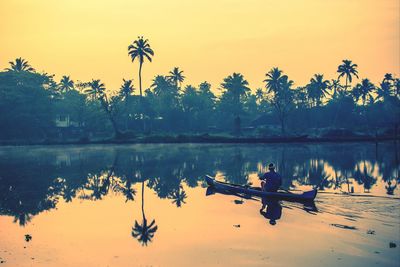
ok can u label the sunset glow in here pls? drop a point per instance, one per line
(207, 39)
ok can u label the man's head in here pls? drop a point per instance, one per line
(271, 167)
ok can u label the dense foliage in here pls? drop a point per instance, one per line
(30, 103)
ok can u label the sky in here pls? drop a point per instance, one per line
(207, 39)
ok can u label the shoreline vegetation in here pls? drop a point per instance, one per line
(36, 109)
(205, 139)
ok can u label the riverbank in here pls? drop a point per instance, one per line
(205, 138)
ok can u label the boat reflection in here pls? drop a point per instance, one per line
(271, 209)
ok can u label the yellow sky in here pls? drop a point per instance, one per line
(208, 39)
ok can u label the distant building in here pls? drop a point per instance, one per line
(64, 121)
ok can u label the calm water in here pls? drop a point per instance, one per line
(146, 205)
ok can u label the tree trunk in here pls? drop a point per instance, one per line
(282, 120)
(144, 217)
(140, 79)
(141, 97)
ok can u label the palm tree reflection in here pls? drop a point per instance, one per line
(178, 196)
(144, 232)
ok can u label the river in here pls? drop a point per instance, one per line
(146, 205)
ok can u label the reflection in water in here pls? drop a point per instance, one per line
(274, 210)
(144, 232)
(35, 179)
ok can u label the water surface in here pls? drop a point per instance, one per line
(146, 205)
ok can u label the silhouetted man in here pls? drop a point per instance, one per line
(271, 180)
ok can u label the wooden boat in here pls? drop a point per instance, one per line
(256, 191)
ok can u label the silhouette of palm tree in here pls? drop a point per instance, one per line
(388, 77)
(140, 49)
(178, 196)
(66, 84)
(384, 91)
(96, 89)
(126, 89)
(144, 232)
(274, 80)
(20, 64)
(364, 90)
(317, 88)
(347, 69)
(335, 85)
(236, 85)
(161, 85)
(176, 76)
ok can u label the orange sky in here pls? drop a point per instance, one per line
(208, 39)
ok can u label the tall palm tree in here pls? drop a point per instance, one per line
(317, 88)
(96, 89)
(66, 84)
(144, 232)
(176, 76)
(273, 81)
(140, 49)
(347, 69)
(20, 64)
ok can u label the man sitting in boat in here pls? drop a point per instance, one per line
(271, 180)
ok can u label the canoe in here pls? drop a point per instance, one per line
(254, 191)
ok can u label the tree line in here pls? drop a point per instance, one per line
(29, 101)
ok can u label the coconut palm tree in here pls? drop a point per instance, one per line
(347, 69)
(365, 90)
(317, 88)
(66, 84)
(388, 77)
(282, 94)
(96, 89)
(176, 77)
(236, 85)
(126, 89)
(140, 49)
(273, 81)
(144, 232)
(125, 92)
(20, 64)
(384, 91)
(161, 85)
(335, 86)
